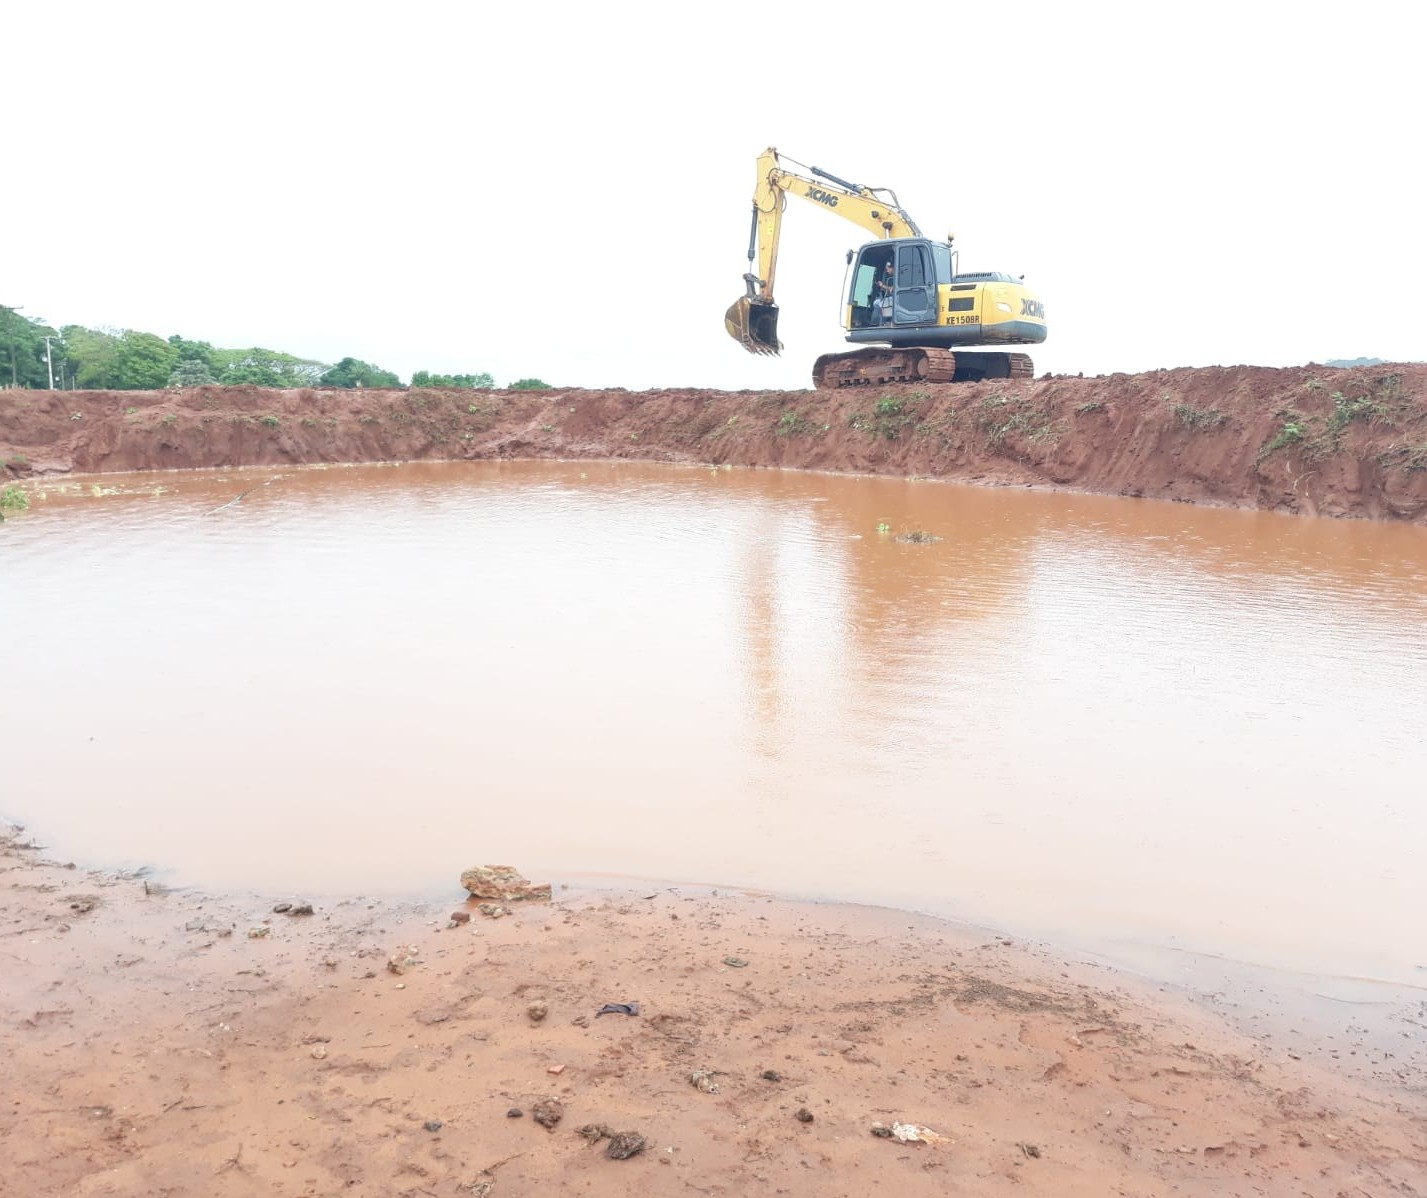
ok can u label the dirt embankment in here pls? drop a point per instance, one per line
(1313, 440)
(163, 1042)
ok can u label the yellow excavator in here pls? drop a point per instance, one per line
(906, 302)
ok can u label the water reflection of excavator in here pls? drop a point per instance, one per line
(906, 298)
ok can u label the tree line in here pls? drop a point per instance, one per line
(38, 355)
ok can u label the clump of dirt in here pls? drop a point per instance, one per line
(1313, 440)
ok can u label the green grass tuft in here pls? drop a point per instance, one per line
(1199, 419)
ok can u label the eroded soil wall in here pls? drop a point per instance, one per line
(1310, 440)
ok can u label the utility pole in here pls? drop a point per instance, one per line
(49, 362)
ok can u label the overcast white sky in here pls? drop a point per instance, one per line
(563, 189)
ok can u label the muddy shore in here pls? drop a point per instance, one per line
(1310, 440)
(171, 1042)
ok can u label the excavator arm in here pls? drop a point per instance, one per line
(753, 319)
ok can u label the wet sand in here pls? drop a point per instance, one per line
(167, 1042)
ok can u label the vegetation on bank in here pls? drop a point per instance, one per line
(1385, 403)
(71, 357)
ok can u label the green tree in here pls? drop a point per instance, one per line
(190, 372)
(352, 372)
(252, 374)
(91, 357)
(457, 382)
(145, 361)
(22, 350)
(259, 367)
(530, 385)
(193, 351)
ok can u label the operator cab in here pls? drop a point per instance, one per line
(923, 301)
(917, 267)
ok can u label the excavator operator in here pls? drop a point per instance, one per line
(882, 300)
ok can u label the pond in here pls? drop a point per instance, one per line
(1123, 725)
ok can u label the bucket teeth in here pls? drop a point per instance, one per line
(754, 326)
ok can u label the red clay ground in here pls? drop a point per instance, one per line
(151, 1046)
(1312, 440)
(175, 1044)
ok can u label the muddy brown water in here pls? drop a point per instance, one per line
(1136, 727)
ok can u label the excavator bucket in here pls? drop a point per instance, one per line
(754, 326)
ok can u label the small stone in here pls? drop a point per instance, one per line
(537, 1011)
(433, 1125)
(803, 1115)
(515, 1113)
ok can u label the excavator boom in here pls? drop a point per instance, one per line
(753, 319)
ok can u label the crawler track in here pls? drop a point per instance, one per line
(874, 367)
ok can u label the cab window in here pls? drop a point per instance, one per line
(862, 284)
(941, 258)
